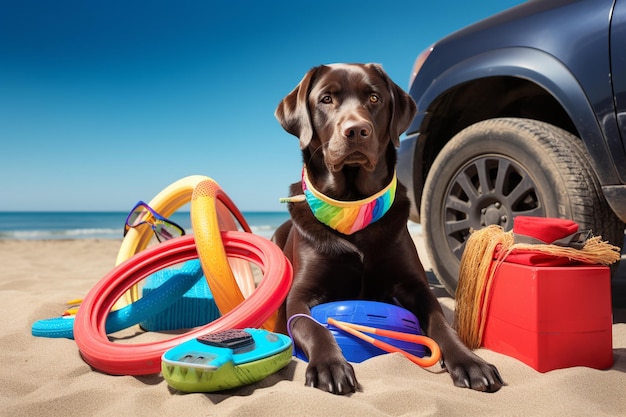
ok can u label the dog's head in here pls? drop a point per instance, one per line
(347, 115)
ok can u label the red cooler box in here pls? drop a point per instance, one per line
(551, 317)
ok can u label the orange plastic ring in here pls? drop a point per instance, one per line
(206, 199)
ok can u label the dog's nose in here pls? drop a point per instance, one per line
(355, 129)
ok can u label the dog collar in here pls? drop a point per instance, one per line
(346, 217)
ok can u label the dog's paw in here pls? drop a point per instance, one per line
(473, 372)
(331, 375)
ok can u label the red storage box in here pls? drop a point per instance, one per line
(551, 317)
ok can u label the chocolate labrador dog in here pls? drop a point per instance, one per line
(347, 237)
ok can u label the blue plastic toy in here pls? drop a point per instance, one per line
(367, 313)
(143, 309)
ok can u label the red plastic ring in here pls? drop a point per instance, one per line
(145, 358)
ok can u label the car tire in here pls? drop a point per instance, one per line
(497, 169)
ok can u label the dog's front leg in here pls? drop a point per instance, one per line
(320, 279)
(466, 368)
(327, 370)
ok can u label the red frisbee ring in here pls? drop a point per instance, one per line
(145, 358)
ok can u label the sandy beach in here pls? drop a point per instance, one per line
(47, 377)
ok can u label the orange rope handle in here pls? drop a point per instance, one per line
(356, 330)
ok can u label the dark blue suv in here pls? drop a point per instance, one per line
(523, 113)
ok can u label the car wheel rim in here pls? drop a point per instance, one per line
(487, 190)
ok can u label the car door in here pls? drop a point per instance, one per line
(618, 74)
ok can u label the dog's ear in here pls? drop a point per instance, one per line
(293, 111)
(403, 108)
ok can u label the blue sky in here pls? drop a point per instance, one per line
(106, 103)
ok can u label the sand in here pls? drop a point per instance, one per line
(47, 377)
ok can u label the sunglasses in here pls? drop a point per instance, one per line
(163, 228)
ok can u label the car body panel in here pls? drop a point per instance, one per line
(618, 74)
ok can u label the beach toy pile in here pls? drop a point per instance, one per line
(201, 287)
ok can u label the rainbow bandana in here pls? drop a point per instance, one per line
(346, 217)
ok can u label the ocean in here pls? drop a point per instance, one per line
(110, 225)
(105, 225)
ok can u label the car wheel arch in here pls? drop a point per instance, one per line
(528, 65)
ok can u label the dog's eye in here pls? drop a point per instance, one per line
(327, 99)
(374, 98)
